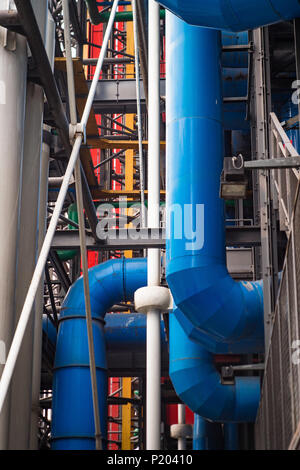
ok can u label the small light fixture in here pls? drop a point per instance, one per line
(233, 189)
(233, 181)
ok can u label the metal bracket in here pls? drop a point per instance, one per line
(227, 375)
(273, 163)
(75, 130)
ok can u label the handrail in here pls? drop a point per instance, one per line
(279, 368)
(285, 180)
(40, 266)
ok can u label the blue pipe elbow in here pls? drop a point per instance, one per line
(233, 15)
(253, 344)
(196, 265)
(198, 383)
(72, 410)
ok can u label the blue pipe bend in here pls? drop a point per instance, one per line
(233, 15)
(198, 383)
(72, 411)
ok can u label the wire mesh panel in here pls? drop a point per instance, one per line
(278, 421)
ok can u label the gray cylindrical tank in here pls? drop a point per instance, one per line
(13, 72)
(20, 413)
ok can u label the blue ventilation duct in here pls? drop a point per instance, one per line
(198, 383)
(253, 344)
(233, 15)
(123, 331)
(72, 408)
(215, 304)
(207, 435)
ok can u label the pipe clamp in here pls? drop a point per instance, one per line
(75, 130)
(181, 431)
(153, 298)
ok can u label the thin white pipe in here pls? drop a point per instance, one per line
(181, 420)
(139, 113)
(39, 269)
(79, 197)
(153, 373)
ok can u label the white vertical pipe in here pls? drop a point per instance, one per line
(43, 198)
(153, 408)
(139, 112)
(13, 69)
(181, 420)
(20, 412)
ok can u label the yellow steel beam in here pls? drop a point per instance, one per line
(126, 415)
(96, 143)
(114, 194)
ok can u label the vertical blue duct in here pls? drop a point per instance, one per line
(203, 290)
(72, 408)
(231, 436)
(198, 383)
(206, 435)
(233, 15)
(199, 433)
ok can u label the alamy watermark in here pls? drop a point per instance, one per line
(185, 222)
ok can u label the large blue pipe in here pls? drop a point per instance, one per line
(233, 15)
(198, 383)
(111, 282)
(72, 410)
(203, 290)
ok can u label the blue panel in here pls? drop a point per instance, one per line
(236, 59)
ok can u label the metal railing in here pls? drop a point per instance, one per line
(278, 420)
(285, 180)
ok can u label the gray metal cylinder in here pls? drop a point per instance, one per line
(43, 198)
(13, 71)
(21, 389)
